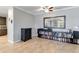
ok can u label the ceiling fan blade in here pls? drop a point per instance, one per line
(51, 8)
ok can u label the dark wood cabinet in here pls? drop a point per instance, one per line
(3, 32)
(26, 34)
(2, 20)
(3, 26)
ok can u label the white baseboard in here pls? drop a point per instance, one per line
(10, 41)
(17, 41)
(34, 35)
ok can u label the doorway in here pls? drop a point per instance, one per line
(3, 30)
(3, 27)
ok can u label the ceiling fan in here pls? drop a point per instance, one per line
(46, 8)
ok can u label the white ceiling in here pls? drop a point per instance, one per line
(35, 9)
(4, 10)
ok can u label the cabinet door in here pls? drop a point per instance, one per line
(2, 21)
(25, 34)
(76, 34)
(22, 34)
(28, 33)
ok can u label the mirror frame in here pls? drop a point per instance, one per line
(55, 17)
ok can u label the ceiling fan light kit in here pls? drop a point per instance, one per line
(48, 8)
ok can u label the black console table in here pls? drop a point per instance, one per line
(25, 34)
(45, 33)
(70, 37)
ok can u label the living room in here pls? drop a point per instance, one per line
(61, 20)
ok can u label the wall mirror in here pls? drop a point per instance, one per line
(55, 22)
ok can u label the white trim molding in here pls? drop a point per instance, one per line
(72, 7)
(11, 41)
(17, 41)
(24, 10)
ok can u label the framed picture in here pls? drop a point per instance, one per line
(55, 22)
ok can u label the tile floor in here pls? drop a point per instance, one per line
(37, 45)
